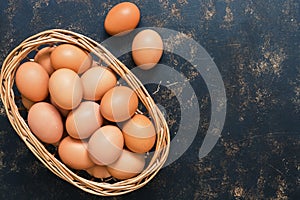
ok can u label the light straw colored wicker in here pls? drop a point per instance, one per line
(56, 36)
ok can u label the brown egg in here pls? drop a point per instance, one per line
(119, 104)
(26, 102)
(122, 18)
(62, 111)
(43, 58)
(32, 81)
(45, 122)
(147, 49)
(74, 153)
(96, 82)
(105, 145)
(82, 122)
(71, 57)
(139, 134)
(127, 166)
(65, 88)
(99, 171)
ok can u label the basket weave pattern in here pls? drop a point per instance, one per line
(55, 36)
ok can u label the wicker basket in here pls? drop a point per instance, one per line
(56, 36)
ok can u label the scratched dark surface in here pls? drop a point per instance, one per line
(256, 46)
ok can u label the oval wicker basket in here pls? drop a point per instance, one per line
(56, 36)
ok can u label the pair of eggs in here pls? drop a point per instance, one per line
(147, 45)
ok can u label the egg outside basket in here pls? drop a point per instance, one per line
(56, 36)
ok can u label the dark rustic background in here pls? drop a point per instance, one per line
(256, 46)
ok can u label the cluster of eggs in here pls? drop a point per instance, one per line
(75, 103)
(147, 45)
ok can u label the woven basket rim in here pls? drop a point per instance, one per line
(55, 36)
